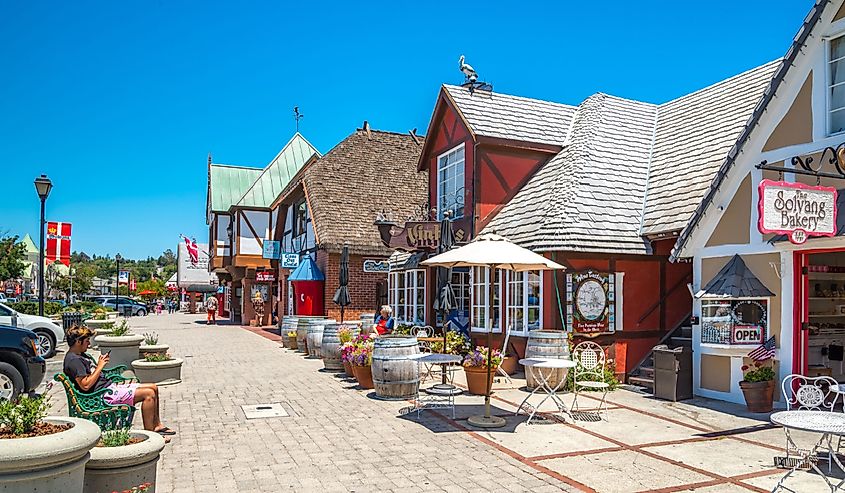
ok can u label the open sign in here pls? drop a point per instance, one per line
(747, 334)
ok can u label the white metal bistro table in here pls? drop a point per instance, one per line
(438, 396)
(827, 423)
(536, 367)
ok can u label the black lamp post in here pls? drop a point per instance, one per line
(117, 259)
(42, 186)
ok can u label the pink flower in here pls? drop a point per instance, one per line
(744, 367)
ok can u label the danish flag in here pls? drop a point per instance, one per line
(193, 250)
(58, 243)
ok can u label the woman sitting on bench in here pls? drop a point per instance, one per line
(87, 376)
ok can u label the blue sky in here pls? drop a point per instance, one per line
(120, 102)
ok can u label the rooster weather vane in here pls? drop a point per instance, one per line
(471, 81)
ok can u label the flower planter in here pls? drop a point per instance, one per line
(364, 375)
(158, 372)
(48, 464)
(97, 324)
(292, 342)
(476, 378)
(758, 395)
(124, 349)
(510, 365)
(347, 367)
(153, 349)
(116, 468)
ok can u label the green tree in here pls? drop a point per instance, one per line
(12, 256)
(83, 280)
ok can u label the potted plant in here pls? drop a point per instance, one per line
(292, 339)
(361, 359)
(161, 369)
(456, 343)
(346, 357)
(758, 387)
(42, 453)
(123, 457)
(475, 367)
(124, 345)
(151, 345)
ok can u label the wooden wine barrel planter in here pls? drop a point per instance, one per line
(330, 345)
(302, 332)
(395, 376)
(314, 336)
(547, 344)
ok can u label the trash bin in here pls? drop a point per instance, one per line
(672, 373)
(126, 311)
(69, 319)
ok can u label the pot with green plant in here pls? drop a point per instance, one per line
(161, 369)
(475, 368)
(42, 453)
(151, 345)
(758, 387)
(123, 346)
(123, 457)
(361, 359)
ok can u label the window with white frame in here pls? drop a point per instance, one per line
(836, 85)
(524, 303)
(461, 290)
(450, 182)
(406, 294)
(479, 279)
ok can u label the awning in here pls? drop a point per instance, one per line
(201, 288)
(307, 271)
(735, 280)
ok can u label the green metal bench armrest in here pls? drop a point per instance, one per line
(116, 374)
(92, 406)
(83, 398)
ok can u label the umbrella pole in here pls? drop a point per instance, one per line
(488, 421)
(445, 328)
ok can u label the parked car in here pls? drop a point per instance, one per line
(138, 309)
(21, 368)
(49, 334)
(63, 303)
(2, 298)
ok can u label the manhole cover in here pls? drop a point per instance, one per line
(257, 411)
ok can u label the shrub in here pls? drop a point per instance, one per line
(608, 377)
(121, 329)
(83, 306)
(157, 357)
(456, 343)
(23, 414)
(31, 307)
(402, 329)
(151, 339)
(758, 374)
(115, 438)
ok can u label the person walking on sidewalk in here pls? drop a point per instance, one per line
(211, 310)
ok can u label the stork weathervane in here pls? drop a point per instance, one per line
(471, 77)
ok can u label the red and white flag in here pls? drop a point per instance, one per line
(193, 250)
(58, 243)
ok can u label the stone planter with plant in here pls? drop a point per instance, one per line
(124, 346)
(151, 345)
(758, 387)
(161, 369)
(475, 368)
(121, 458)
(42, 453)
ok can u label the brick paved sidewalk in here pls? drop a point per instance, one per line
(340, 439)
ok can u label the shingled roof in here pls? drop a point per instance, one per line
(503, 116)
(567, 204)
(278, 173)
(367, 172)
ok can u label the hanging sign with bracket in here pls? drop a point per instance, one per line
(796, 210)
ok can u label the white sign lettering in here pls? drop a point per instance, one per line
(796, 210)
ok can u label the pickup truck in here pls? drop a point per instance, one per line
(21, 368)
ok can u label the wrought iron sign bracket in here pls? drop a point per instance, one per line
(808, 166)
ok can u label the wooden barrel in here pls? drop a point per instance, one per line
(314, 336)
(395, 376)
(330, 345)
(302, 331)
(546, 344)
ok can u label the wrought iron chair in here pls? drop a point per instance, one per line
(809, 394)
(93, 407)
(425, 347)
(588, 373)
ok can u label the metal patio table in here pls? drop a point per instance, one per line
(830, 425)
(535, 366)
(438, 396)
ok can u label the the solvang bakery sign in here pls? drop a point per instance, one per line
(796, 210)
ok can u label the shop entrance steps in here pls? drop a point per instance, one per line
(643, 375)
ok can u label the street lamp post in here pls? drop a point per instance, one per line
(42, 187)
(117, 258)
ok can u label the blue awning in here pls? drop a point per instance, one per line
(307, 271)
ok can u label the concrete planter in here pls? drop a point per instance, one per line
(48, 464)
(97, 324)
(159, 372)
(154, 349)
(124, 349)
(120, 468)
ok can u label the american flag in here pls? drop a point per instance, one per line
(764, 351)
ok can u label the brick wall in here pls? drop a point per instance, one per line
(362, 285)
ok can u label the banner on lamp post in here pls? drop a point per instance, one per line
(58, 243)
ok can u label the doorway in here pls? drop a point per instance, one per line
(820, 314)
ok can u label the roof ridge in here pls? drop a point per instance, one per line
(648, 167)
(723, 81)
(391, 132)
(571, 106)
(241, 166)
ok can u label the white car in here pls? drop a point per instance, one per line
(49, 334)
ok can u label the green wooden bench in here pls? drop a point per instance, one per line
(93, 407)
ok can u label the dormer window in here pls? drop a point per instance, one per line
(836, 85)
(450, 182)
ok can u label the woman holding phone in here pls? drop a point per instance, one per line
(88, 377)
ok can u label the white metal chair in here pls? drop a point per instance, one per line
(588, 373)
(425, 347)
(809, 394)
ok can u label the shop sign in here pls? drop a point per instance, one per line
(272, 249)
(747, 334)
(376, 265)
(590, 302)
(420, 235)
(289, 260)
(796, 210)
(123, 277)
(265, 276)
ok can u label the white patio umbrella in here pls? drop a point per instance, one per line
(493, 251)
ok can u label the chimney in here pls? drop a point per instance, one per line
(366, 129)
(413, 133)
